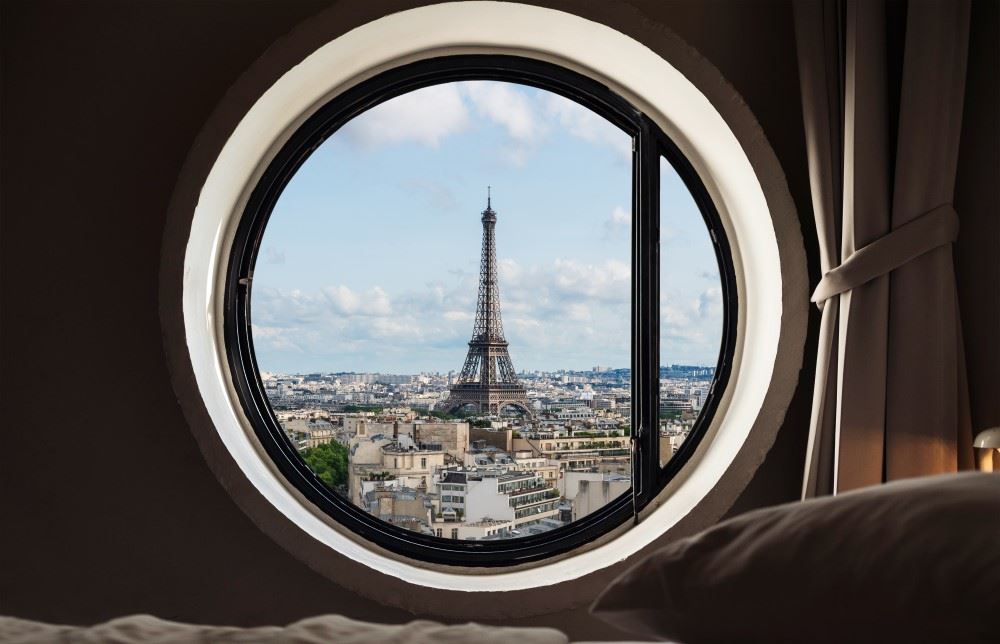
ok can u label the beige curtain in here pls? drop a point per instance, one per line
(890, 398)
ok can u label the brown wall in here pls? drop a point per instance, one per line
(108, 505)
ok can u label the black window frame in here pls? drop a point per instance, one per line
(649, 145)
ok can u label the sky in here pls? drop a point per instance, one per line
(370, 260)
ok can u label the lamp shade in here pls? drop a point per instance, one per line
(988, 438)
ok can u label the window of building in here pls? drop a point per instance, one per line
(465, 257)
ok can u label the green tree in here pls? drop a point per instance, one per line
(329, 462)
(355, 409)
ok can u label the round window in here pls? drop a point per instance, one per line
(479, 310)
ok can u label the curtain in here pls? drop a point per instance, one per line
(890, 398)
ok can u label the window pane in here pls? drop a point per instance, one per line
(452, 362)
(690, 311)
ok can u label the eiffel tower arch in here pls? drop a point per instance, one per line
(488, 381)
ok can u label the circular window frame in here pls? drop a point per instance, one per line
(651, 144)
(355, 40)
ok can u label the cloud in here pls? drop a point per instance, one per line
(346, 302)
(354, 329)
(274, 256)
(587, 125)
(397, 329)
(566, 289)
(562, 304)
(507, 106)
(512, 109)
(618, 223)
(609, 281)
(677, 324)
(429, 115)
(690, 327)
(559, 311)
(425, 116)
(709, 303)
(275, 339)
(271, 307)
(566, 310)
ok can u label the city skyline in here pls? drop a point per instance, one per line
(370, 261)
(520, 372)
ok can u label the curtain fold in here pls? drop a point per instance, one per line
(890, 399)
(819, 48)
(926, 404)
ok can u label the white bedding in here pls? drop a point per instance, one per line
(324, 629)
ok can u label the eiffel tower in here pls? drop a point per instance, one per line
(488, 381)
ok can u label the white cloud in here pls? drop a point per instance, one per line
(286, 309)
(425, 116)
(275, 339)
(397, 329)
(346, 302)
(620, 217)
(553, 311)
(690, 327)
(274, 256)
(610, 280)
(509, 269)
(524, 325)
(430, 114)
(550, 309)
(709, 303)
(676, 324)
(512, 109)
(506, 106)
(587, 125)
(618, 223)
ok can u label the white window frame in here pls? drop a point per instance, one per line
(631, 69)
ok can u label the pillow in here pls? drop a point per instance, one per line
(911, 561)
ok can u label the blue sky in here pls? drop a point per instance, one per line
(370, 260)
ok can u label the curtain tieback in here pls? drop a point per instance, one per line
(934, 228)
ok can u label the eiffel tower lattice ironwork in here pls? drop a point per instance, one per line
(488, 380)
